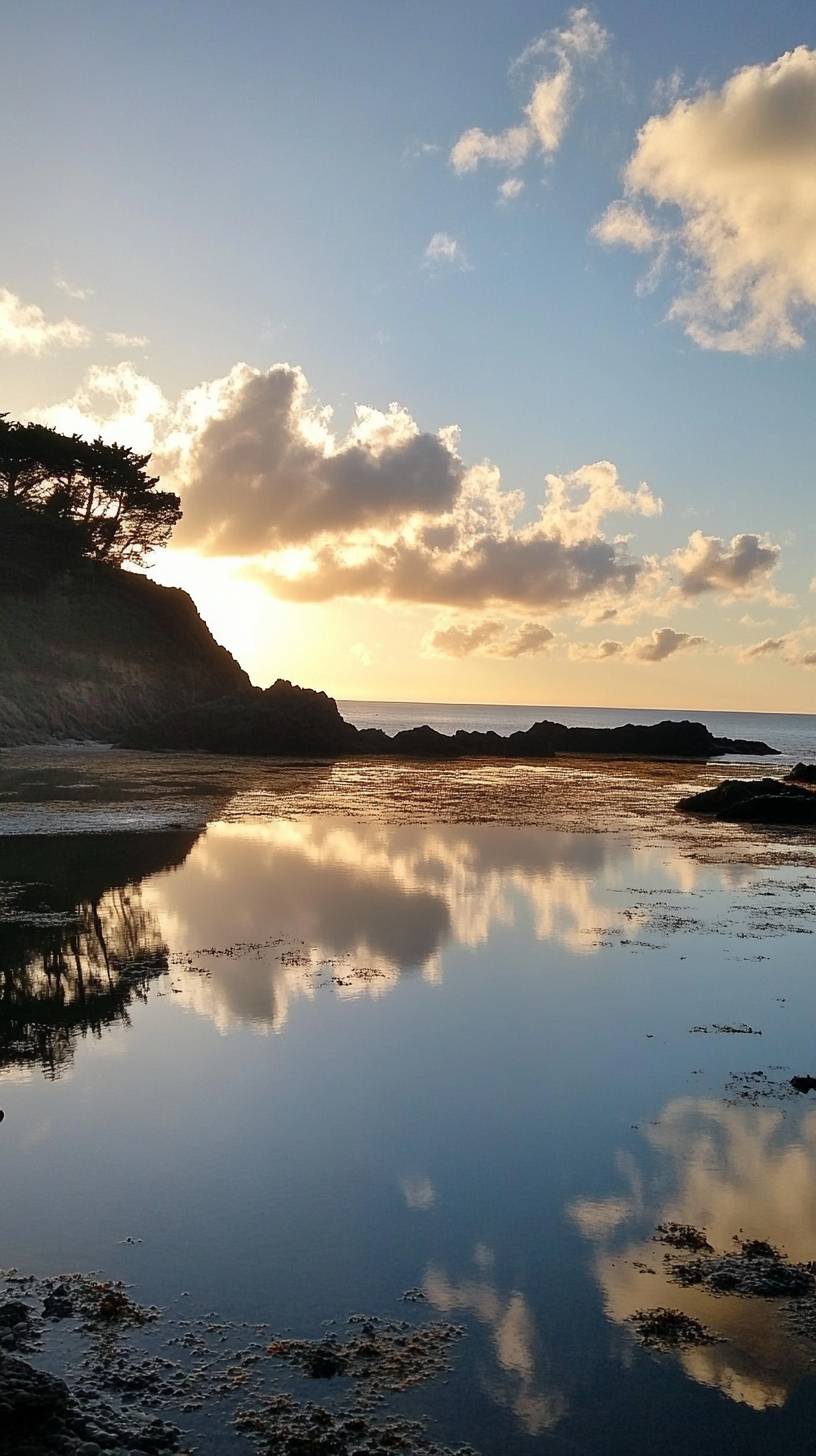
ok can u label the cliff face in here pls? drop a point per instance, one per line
(89, 651)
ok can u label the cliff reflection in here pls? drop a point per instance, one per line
(271, 911)
(727, 1170)
(77, 943)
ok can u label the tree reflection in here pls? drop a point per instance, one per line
(77, 942)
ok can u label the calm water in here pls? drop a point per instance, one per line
(794, 734)
(307, 1064)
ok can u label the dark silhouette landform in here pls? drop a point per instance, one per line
(288, 720)
(756, 801)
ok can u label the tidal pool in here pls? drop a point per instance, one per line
(278, 1070)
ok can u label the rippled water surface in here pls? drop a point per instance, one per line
(289, 1068)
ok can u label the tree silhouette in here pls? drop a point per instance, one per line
(103, 490)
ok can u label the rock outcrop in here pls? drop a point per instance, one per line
(802, 773)
(291, 721)
(754, 801)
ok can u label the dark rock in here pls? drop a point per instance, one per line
(775, 809)
(803, 1084)
(759, 801)
(669, 1329)
(291, 721)
(802, 773)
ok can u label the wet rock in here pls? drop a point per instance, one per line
(682, 1236)
(802, 773)
(803, 1084)
(755, 1268)
(758, 801)
(669, 1329)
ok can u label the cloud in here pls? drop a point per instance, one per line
(530, 639)
(735, 170)
(118, 403)
(510, 189)
(809, 659)
(127, 341)
(595, 651)
(71, 290)
(741, 567)
(662, 642)
(766, 648)
(462, 639)
(578, 501)
(24, 328)
(445, 251)
(387, 510)
(555, 55)
(489, 637)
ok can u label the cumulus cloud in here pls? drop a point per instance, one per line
(489, 637)
(444, 251)
(578, 501)
(741, 567)
(265, 470)
(809, 659)
(735, 169)
(391, 511)
(662, 642)
(24, 328)
(127, 341)
(555, 56)
(595, 651)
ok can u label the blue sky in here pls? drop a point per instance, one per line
(258, 182)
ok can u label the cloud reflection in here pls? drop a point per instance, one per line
(727, 1170)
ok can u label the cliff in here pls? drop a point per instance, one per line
(87, 650)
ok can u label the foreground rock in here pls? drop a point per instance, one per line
(802, 773)
(293, 721)
(754, 801)
(40, 1417)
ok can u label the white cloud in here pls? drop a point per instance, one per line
(445, 250)
(127, 341)
(736, 170)
(578, 501)
(556, 55)
(510, 189)
(118, 403)
(24, 328)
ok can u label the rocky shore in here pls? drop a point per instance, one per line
(287, 720)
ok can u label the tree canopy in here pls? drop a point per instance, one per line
(105, 491)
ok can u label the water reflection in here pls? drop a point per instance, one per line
(726, 1170)
(519, 1380)
(361, 903)
(77, 943)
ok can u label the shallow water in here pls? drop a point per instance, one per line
(308, 1063)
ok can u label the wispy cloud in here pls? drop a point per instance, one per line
(555, 57)
(444, 251)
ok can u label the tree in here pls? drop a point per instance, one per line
(105, 490)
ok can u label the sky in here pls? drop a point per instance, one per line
(477, 338)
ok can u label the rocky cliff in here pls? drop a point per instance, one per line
(87, 651)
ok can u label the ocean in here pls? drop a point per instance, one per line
(793, 734)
